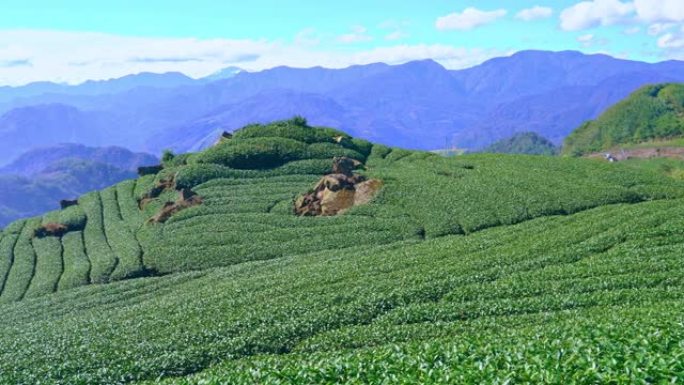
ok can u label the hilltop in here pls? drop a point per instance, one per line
(528, 143)
(653, 113)
(476, 268)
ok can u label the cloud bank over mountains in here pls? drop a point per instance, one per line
(30, 55)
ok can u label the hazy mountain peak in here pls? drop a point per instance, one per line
(224, 73)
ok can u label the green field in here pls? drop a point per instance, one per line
(485, 268)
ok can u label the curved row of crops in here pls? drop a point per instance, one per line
(246, 214)
(593, 297)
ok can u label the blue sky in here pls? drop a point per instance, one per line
(71, 41)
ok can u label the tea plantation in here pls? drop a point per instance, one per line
(496, 269)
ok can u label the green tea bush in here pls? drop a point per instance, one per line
(254, 153)
(539, 301)
(290, 130)
(76, 262)
(73, 217)
(330, 150)
(379, 152)
(196, 174)
(143, 185)
(23, 265)
(119, 237)
(102, 260)
(10, 235)
(362, 146)
(48, 266)
(131, 214)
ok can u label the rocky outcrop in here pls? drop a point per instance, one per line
(337, 192)
(366, 191)
(186, 198)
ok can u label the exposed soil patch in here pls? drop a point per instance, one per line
(186, 198)
(54, 229)
(157, 190)
(642, 153)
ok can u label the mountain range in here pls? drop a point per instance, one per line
(418, 105)
(37, 180)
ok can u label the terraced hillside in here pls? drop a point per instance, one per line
(472, 269)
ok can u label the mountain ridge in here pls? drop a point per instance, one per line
(416, 105)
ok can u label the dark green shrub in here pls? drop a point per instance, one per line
(330, 150)
(254, 153)
(292, 130)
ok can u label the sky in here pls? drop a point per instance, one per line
(71, 41)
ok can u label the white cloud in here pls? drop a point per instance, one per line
(656, 29)
(468, 19)
(358, 34)
(307, 37)
(590, 40)
(672, 41)
(73, 57)
(588, 14)
(585, 38)
(534, 13)
(660, 10)
(396, 35)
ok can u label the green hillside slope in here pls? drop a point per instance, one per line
(475, 269)
(529, 143)
(653, 112)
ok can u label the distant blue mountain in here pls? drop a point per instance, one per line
(43, 158)
(39, 179)
(225, 73)
(95, 87)
(417, 105)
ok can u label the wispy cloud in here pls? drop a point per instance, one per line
(395, 30)
(535, 13)
(307, 37)
(15, 63)
(163, 59)
(74, 57)
(585, 38)
(590, 40)
(672, 40)
(470, 18)
(358, 34)
(657, 29)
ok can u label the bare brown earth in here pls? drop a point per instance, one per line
(642, 153)
(186, 198)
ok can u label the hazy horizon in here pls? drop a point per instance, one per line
(78, 41)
